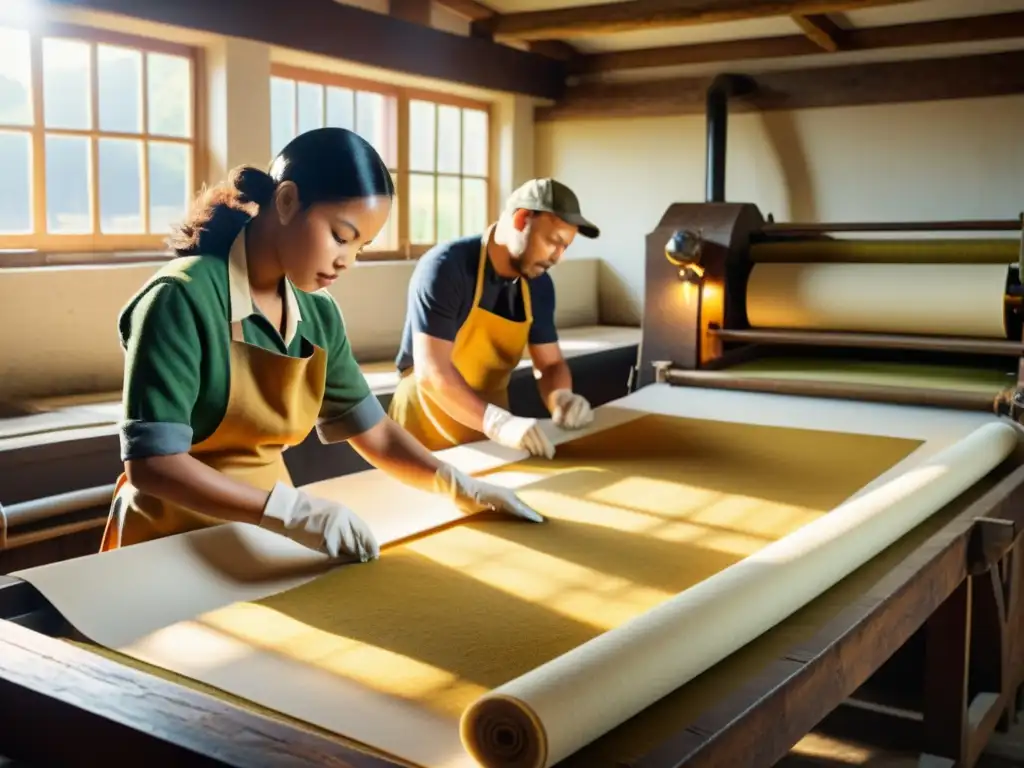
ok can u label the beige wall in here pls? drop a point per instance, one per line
(927, 161)
(63, 339)
(58, 334)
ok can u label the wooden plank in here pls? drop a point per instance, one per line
(128, 716)
(998, 26)
(959, 77)
(412, 11)
(820, 30)
(470, 10)
(636, 15)
(556, 49)
(345, 32)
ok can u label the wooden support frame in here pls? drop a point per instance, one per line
(961, 77)
(998, 26)
(346, 32)
(613, 17)
(146, 719)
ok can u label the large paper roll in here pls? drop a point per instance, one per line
(934, 299)
(888, 251)
(547, 714)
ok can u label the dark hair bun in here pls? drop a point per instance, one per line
(252, 184)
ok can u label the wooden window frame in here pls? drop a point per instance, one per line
(42, 247)
(399, 133)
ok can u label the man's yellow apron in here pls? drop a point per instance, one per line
(485, 352)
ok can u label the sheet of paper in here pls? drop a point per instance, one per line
(189, 603)
(937, 299)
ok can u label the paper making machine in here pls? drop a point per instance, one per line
(910, 313)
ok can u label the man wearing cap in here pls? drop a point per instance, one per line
(475, 305)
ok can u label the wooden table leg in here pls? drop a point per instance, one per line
(947, 657)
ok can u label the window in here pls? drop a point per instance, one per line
(436, 146)
(97, 139)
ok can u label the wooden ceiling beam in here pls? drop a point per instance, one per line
(477, 14)
(636, 15)
(820, 30)
(365, 37)
(470, 10)
(959, 77)
(413, 11)
(999, 26)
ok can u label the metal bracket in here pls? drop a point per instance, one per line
(661, 369)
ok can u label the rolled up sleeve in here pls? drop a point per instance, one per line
(162, 372)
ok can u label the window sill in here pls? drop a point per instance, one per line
(23, 258)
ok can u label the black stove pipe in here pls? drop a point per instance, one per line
(717, 110)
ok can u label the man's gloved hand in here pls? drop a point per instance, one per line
(324, 526)
(473, 495)
(571, 411)
(515, 432)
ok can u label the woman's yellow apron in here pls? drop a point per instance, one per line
(273, 403)
(485, 352)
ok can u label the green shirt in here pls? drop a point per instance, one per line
(176, 333)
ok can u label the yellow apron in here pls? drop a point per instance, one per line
(486, 351)
(273, 403)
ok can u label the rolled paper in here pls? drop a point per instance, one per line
(538, 719)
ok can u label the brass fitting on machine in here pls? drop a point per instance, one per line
(1010, 403)
(685, 249)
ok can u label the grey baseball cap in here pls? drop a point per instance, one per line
(551, 196)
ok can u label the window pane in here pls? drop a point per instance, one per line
(67, 185)
(475, 139)
(449, 138)
(66, 84)
(15, 183)
(120, 186)
(311, 107)
(421, 208)
(372, 122)
(15, 78)
(169, 84)
(341, 111)
(119, 71)
(448, 205)
(474, 206)
(169, 184)
(421, 135)
(282, 113)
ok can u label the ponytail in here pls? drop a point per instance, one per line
(220, 212)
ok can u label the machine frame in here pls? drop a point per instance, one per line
(960, 591)
(695, 322)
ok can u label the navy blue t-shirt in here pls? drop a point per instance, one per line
(441, 294)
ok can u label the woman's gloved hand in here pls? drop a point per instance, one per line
(473, 495)
(321, 525)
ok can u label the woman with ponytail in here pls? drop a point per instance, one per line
(234, 353)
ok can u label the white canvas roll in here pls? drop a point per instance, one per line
(552, 711)
(934, 299)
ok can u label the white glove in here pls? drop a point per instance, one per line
(324, 526)
(473, 495)
(516, 432)
(571, 411)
